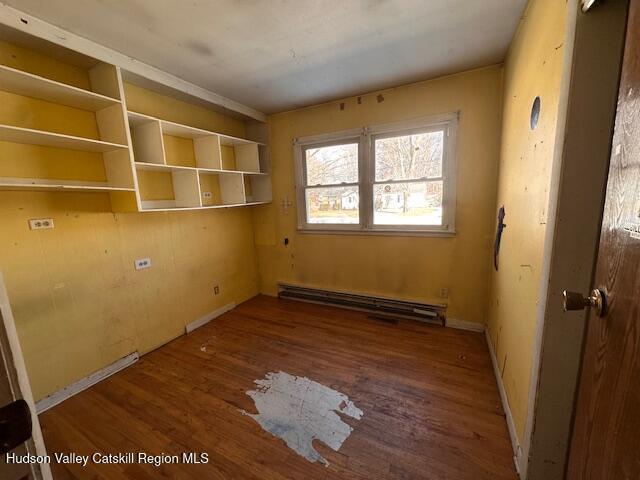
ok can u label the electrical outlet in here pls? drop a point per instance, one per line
(216, 290)
(142, 263)
(206, 194)
(41, 223)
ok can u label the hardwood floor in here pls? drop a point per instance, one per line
(430, 400)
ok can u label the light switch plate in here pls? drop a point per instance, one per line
(142, 263)
(41, 223)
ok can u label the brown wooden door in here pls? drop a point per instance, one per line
(606, 435)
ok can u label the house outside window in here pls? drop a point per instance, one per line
(390, 178)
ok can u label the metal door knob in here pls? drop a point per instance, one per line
(576, 301)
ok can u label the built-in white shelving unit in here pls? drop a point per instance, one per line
(222, 171)
(108, 155)
(205, 184)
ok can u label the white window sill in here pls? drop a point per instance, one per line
(386, 233)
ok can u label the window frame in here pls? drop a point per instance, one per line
(365, 137)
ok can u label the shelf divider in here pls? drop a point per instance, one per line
(161, 168)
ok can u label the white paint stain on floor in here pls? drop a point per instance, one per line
(299, 410)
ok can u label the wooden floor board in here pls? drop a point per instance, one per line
(430, 401)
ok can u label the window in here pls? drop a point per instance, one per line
(387, 178)
(331, 192)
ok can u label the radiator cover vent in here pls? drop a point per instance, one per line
(423, 312)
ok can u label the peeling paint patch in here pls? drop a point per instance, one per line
(299, 411)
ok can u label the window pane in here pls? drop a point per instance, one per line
(409, 156)
(417, 203)
(333, 205)
(331, 165)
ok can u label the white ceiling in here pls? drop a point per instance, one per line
(275, 55)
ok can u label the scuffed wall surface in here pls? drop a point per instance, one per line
(79, 304)
(533, 68)
(403, 267)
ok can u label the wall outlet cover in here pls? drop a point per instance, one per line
(142, 263)
(41, 223)
(206, 194)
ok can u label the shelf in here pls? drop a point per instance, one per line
(228, 140)
(257, 189)
(57, 140)
(207, 207)
(30, 85)
(157, 167)
(226, 166)
(249, 157)
(185, 131)
(214, 171)
(137, 119)
(17, 184)
(169, 209)
(232, 205)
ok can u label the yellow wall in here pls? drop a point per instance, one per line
(160, 106)
(211, 184)
(533, 68)
(80, 305)
(78, 302)
(397, 266)
(179, 151)
(155, 185)
(228, 157)
(18, 57)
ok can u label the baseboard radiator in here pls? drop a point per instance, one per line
(379, 306)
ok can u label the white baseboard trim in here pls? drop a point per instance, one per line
(67, 392)
(517, 451)
(463, 325)
(190, 327)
